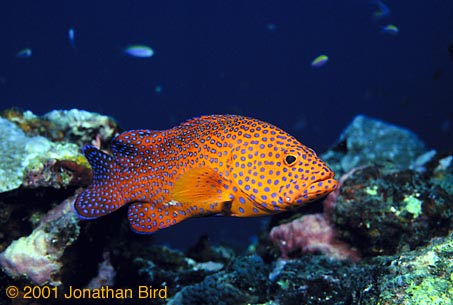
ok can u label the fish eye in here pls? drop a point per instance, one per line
(290, 160)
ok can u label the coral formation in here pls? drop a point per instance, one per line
(244, 281)
(76, 126)
(41, 166)
(423, 276)
(37, 256)
(203, 251)
(443, 173)
(81, 127)
(385, 213)
(319, 280)
(393, 206)
(213, 290)
(30, 161)
(310, 234)
(106, 274)
(164, 265)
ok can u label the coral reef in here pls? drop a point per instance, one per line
(319, 280)
(393, 208)
(74, 126)
(37, 256)
(163, 265)
(106, 274)
(213, 290)
(244, 281)
(423, 276)
(26, 160)
(310, 234)
(385, 213)
(34, 161)
(42, 167)
(80, 127)
(443, 173)
(203, 251)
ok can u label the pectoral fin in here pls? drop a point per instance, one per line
(203, 187)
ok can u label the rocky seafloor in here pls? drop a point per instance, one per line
(384, 237)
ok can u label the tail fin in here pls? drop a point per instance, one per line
(102, 196)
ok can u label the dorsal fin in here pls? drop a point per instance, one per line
(131, 148)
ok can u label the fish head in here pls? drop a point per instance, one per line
(308, 178)
(281, 177)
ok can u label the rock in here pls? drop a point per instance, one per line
(318, 280)
(106, 274)
(37, 256)
(381, 213)
(443, 173)
(22, 155)
(368, 141)
(29, 161)
(423, 276)
(76, 126)
(81, 127)
(244, 282)
(46, 151)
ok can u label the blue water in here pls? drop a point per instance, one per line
(244, 57)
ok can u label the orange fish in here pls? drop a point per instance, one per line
(212, 165)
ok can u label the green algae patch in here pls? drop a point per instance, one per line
(430, 291)
(422, 276)
(372, 190)
(413, 205)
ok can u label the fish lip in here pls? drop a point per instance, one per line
(332, 186)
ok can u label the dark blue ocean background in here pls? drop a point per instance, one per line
(244, 57)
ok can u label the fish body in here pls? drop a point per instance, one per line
(320, 61)
(212, 165)
(390, 29)
(382, 10)
(24, 53)
(140, 51)
(71, 37)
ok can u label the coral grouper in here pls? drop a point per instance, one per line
(211, 165)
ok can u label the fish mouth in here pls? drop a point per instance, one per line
(321, 187)
(317, 189)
